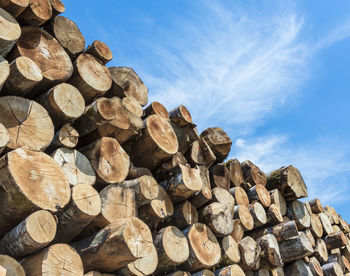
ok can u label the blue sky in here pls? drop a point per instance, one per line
(274, 74)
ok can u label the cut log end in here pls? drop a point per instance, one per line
(180, 116)
(37, 13)
(9, 33)
(156, 108)
(100, 50)
(218, 141)
(67, 137)
(10, 267)
(57, 7)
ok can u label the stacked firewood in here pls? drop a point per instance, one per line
(93, 180)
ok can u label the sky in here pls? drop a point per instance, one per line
(273, 74)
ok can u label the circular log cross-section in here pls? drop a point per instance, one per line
(250, 253)
(335, 240)
(259, 193)
(240, 196)
(278, 199)
(10, 267)
(25, 74)
(299, 213)
(127, 83)
(185, 214)
(47, 53)
(37, 13)
(58, 259)
(274, 215)
(327, 226)
(32, 180)
(90, 77)
(236, 174)
(63, 102)
(232, 270)
(14, 7)
(32, 234)
(156, 108)
(68, 35)
(315, 267)
(157, 144)
(258, 213)
(131, 105)
(252, 173)
(316, 226)
(222, 196)
(172, 247)
(242, 213)
(100, 50)
(5, 71)
(75, 165)
(66, 136)
(57, 7)
(238, 230)
(320, 251)
(316, 205)
(27, 122)
(180, 116)
(230, 251)
(9, 33)
(205, 250)
(4, 137)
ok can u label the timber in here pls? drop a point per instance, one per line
(67, 136)
(9, 33)
(37, 13)
(4, 138)
(156, 108)
(14, 7)
(5, 71)
(218, 141)
(10, 267)
(100, 51)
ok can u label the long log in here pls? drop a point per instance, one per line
(155, 108)
(58, 259)
(31, 235)
(100, 51)
(250, 254)
(14, 7)
(236, 174)
(252, 173)
(242, 213)
(10, 267)
(218, 141)
(232, 270)
(298, 268)
(283, 231)
(4, 137)
(332, 269)
(9, 33)
(204, 195)
(295, 248)
(37, 13)
(240, 196)
(335, 240)
(230, 253)
(83, 207)
(30, 180)
(47, 53)
(259, 193)
(5, 71)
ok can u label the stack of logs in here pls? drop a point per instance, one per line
(92, 182)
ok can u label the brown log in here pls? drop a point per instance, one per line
(180, 116)
(57, 7)
(259, 193)
(327, 226)
(328, 213)
(25, 74)
(230, 253)
(205, 250)
(274, 215)
(183, 184)
(283, 231)
(252, 174)
(10, 267)
(335, 215)
(242, 213)
(309, 235)
(84, 206)
(109, 160)
(219, 142)
(9, 33)
(58, 259)
(100, 51)
(236, 174)
(37, 13)
(315, 267)
(30, 180)
(67, 34)
(75, 165)
(4, 137)
(185, 214)
(298, 212)
(289, 181)
(131, 105)
(346, 251)
(238, 230)
(32, 234)
(66, 136)
(295, 248)
(218, 217)
(240, 196)
(14, 7)
(222, 196)
(346, 263)
(96, 273)
(298, 268)
(250, 254)
(316, 226)
(232, 270)
(320, 251)
(183, 273)
(5, 71)
(183, 137)
(204, 195)
(335, 240)
(277, 271)
(115, 246)
(344, 226)
(258, 213)
(136, 172)
(156, 108)
(220, 177)
(171, 167)
(172, 247)
(47, 53)
(270, 253)
(91, 77)
(337, 258)
(200, 153)
(315, 205)
(332, 269)
(157, 143)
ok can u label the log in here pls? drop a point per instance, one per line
(183, 138)
(127, 83)
(219, 142)
(131, 105)
(298, 268)
(63, 102)
(321, 252)
(344, 226)
(183, 184)
(309, 235)
(258, 213)
(270, 253)
(289, 181)
(145, 188)
(327, 212)
(335, 240)
(66, 136)
(316, 205)
(295, 248)
(334, 214)
(346, 251)
(298, 212)
(327, 226)
(222, 196)
(96, 273)
(185, 214)
(27, 122)
(169, 254)
(184, 273)
(5, 71)
(31, 235)
(83, 207)
(283, 231)
(58, 259)
(204, 195)
(91, 77)
(277, 271)
(238, 230)
(67, 34)
(14, 7)
(25, 74)
(4, 138)
(157, 143)
(109, 160)
(242, 213)
(240, 196)
(155, 108)
(205, 250)
(218, 217)
(316, 226)
(57, 7)
(180, 116)
(250, 254)
(47, 53)
(230, 253)
(346, 263)
(100, 51)
(315, 267)
(274, 215)
(252, 174)
(115, 246)
(136, 172)
(10, 267)
(30, 180)
(75, 165)
(332, 269)
(220, 177)
(259, 193)
(232, 270)
(9, 33)
(278, 199)
(337, 258)
(200, 153)
(236, 174)
(37, 13)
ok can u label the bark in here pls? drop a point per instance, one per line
(259, 193)
(185, 214)
(232, 270)
(316, 206)
(274, 215)
(238, 230)
(183, 273)
(315, 267)
(332, 269)
(9, 33)
(156, 108)
(30, 180)
(84, 206)
(295, 248)
(180, 116)
(220, 177)
(91, 77)
(204, 195)
(31, 235)
(58, 259)
(230, 253)
(327, 226)
(240, 196)
(236, 173)
(321, 252)
(100, 51)
(335, 240)
(66, 136)
(283, 231)
(344, 226)
(242, 213)
(258, 213)
(10, 267)
(171, 167)
(4, 137)
(252, 174)
(200, 153)
(298, 212)
(298, 268)
(270, 253)
(14, 7)
(278, 199)
(219, 142)
(96, 273)
(5, 71)
(37, 13)
(250, 254)
(337, 258)
(136, 172)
